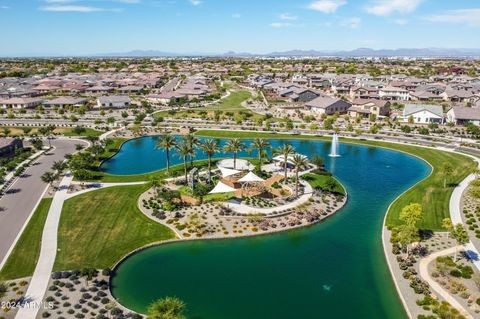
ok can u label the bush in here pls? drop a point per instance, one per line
(456, 273)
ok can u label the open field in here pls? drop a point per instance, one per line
(98, 228)
(23, 259)
(228, 108)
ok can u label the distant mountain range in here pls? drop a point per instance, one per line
(360, 52)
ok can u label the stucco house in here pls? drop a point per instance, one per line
(328, 105)
(463, 115)
(423, 113)
(113, 101)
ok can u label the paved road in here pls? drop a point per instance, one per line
(17, 206)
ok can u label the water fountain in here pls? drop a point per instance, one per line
(334, 150)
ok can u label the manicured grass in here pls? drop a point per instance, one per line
(23, 259)
(98, 228)
(67, 131)
(232, 103)
(321, 182)
(429, 192)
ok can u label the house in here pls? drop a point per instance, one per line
(99, 89)
(394, 94)
(463, 115)
(459, 96)
(327, 105)
(65, 101)
(166, 97)
(113, 101)
(9, 145)
(299, 94)
(365, 107)
(422, 113)
(20, 102)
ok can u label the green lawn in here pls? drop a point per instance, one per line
(321, 182)
(98, 228)
(67, 131)
(231, 103)
(23, 259)
(429, 192)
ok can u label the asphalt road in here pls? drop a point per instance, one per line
(16, 206)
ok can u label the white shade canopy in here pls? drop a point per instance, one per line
(228, 171)
(222, 188)
(250, 177)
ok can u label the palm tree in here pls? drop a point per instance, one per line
(48, 177)
(183, 149)
(260, 145)
(210, 147)
(234, 145)
(286, 150)
(300, 162)
(167, 308)
(192, 143)
(167, 142)
(59, 166)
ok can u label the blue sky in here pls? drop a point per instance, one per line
(77, 27)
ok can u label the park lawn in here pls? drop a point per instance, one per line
(320, 182)
(98, 228)
(23, 259)
(232, 102)
(429, 192)
(66, 131)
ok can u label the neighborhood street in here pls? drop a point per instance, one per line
(17, 205)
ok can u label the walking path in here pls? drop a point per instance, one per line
(96, 186)
(456, 215)
(39, 283)
(435, 285)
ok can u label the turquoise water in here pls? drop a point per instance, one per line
(335, 269)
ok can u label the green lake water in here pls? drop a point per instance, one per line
(335, 269)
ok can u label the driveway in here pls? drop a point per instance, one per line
(25, 193)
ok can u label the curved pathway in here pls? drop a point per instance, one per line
(435, 285)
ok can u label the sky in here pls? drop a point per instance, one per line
(83, 27)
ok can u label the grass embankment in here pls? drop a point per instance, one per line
(324, 182)
(430, 192)
(23, 259)
(67, 131)
(98, 228)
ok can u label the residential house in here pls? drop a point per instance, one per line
(365, 107)
(9, 145)
(113, 101)
(65, 101)
(423, 113)
(20, 102)
(327, 105)
(394, 94)
(463, 115)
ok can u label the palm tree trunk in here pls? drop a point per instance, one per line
(168, 160)
(209, 168)
(234, 160)
(296, 183)
(285, 170)
(185, 169)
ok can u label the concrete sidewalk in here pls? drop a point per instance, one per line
(39, 283)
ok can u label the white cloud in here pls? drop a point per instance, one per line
(287, 16)
(352, 23)
(60, 1)
(327, 6)
(71, 8)
(387, 7)
(278, 25)
(470, 17)
(400, 21)
(195, 2)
